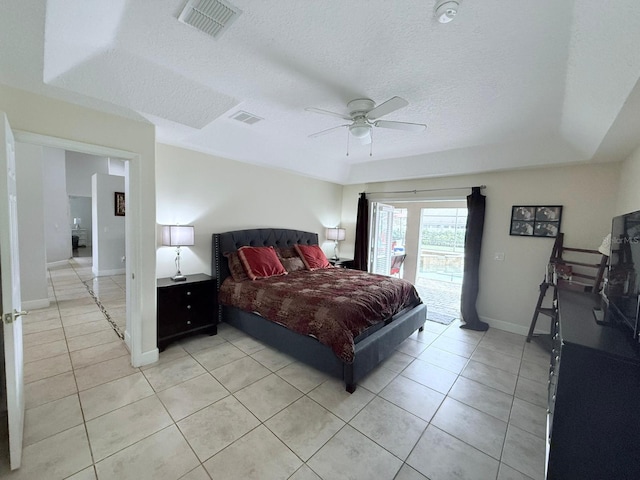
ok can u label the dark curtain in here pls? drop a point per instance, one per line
(362, 235)
(472, 245)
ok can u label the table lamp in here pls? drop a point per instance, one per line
(178, 236)
(337, 235)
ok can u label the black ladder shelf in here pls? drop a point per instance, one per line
(548, 311)
(585, 280)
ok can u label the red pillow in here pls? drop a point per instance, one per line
(260, 262)
(312, 256)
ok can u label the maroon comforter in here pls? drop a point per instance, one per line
(333, 305)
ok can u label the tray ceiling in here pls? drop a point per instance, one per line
(504, 85)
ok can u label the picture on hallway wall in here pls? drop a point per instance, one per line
(535, 221)
(119, 204)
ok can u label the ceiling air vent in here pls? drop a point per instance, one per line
(212, 17)
(246, 117)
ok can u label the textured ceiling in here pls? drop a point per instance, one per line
(505, 85)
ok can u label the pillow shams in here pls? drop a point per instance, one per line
(313, 257)
(260, 262)
(293, 264)
(290, 259)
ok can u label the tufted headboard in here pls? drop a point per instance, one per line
(256, 237)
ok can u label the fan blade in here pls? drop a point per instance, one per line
(406, 126)
(328, 130)
(327, 112)
(391, 105)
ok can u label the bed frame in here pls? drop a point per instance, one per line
(370, 348)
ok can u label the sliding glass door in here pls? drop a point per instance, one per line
(430, 234)
(441, 260)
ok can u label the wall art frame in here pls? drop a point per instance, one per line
(535, 220)
(119, 204)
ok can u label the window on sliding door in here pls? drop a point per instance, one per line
(381, 239)
(388, 238)
(399, 233)
(441, 261)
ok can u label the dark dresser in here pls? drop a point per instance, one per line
(185, 308)
(593, 422)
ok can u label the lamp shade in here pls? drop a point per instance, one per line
(605, 248)
(336, 234)
(178, 235)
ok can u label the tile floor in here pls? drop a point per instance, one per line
(449, 404)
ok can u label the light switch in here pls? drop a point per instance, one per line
(498, 256)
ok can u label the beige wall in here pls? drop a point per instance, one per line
(217, 195)
(509, 288)
(44, 116)
(629, 192)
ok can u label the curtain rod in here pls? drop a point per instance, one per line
(427, 190)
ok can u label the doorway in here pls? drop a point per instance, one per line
(81, 222)
(441, 261)
(93, 183)
(13, 324)
(430, 234)
(131, 164)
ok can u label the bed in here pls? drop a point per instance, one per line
(369, 348)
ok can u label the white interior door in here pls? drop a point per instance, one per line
(381, 239)
(10, 296)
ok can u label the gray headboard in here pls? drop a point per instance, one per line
(255, 237)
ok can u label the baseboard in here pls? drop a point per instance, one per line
(59, 263)
(127, 339)
(107, 273)
(512, 327)
(146, 358)
(36, 304)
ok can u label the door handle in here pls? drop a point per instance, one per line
(9, 318)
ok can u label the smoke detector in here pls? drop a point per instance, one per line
(446, 10)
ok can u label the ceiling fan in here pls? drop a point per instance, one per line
(363, 115)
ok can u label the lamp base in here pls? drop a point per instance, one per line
(179, 278)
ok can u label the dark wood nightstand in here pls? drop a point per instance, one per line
(185, 308)
(341, 262)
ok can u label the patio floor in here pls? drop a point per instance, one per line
(441, 298)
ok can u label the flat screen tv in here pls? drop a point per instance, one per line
(623, 284)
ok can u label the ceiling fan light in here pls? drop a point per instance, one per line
(359, 131)
(446, 10)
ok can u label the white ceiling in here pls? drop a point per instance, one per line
(505, 85)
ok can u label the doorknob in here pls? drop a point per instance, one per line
(9, 318)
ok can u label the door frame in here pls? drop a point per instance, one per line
(133, 331)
